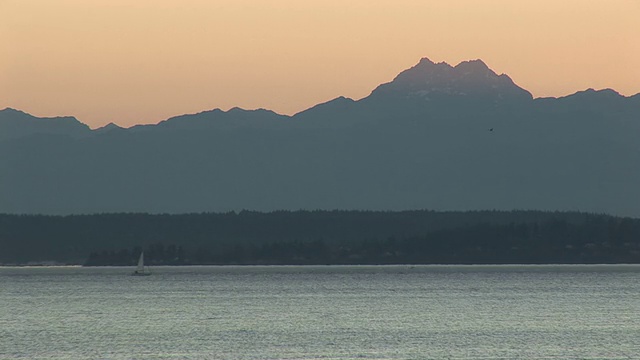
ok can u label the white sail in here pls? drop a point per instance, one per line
(140, 267)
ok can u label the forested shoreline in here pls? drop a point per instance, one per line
(321, 237)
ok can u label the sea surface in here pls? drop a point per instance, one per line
(321, 312)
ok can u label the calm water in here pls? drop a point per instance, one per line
(341, 312)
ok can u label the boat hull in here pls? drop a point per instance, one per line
(137, 273)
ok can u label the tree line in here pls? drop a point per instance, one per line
(597, 240)
(321, 237)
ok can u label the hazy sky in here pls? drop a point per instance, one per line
(142, 61)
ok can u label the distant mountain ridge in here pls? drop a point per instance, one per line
(16, 124)
(437, 136)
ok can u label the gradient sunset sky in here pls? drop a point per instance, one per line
(142, 61)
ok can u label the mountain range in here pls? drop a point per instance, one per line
(437, 137)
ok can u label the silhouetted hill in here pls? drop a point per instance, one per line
(107, 128)
(15, 124)
(321, 237)
(436, 137)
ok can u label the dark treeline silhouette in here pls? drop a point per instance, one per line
(156, 254)
(321, 237)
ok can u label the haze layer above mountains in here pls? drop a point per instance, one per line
(436, 137)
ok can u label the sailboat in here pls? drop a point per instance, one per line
(140, 268)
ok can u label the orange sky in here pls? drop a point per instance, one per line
(142, 61)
